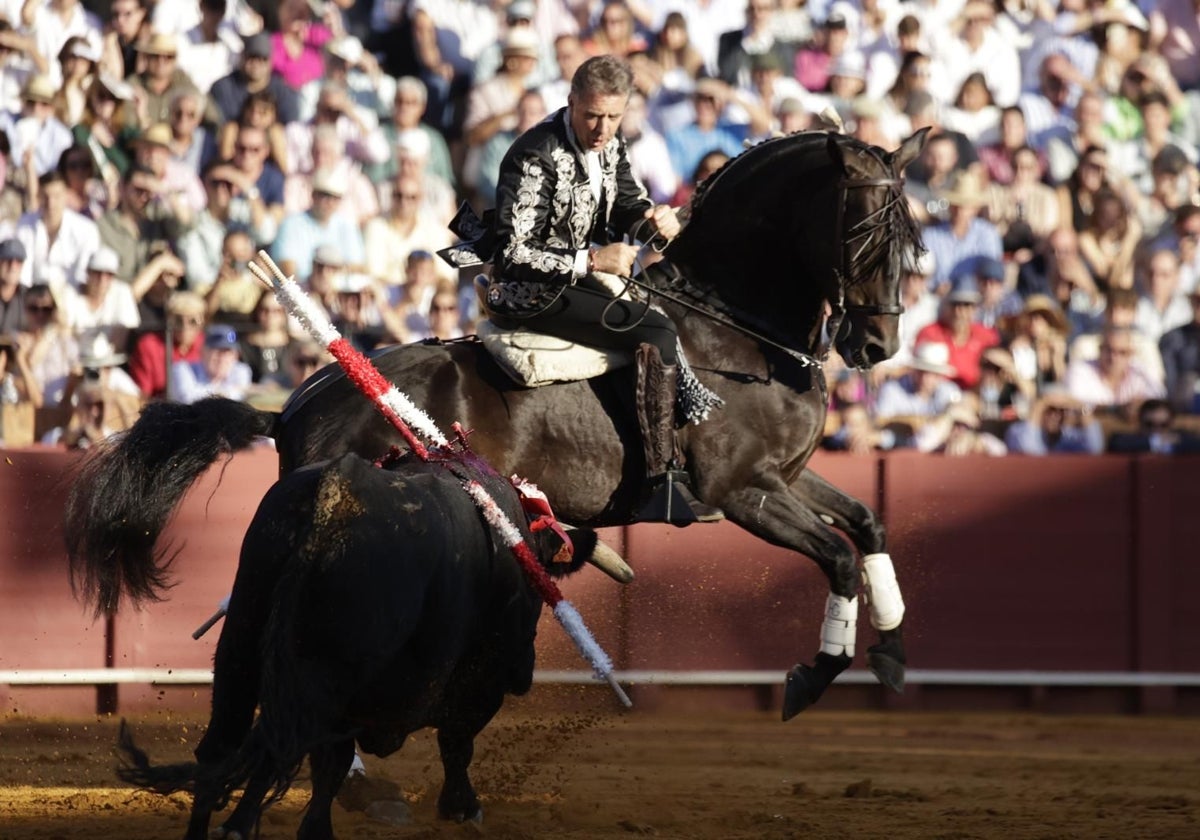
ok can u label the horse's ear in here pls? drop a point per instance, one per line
(833, 144)
(909, 150)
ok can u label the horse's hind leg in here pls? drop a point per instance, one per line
(884, 602)
(779, 517)
(330, 764)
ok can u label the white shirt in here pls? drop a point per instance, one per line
(48, 140)
(115, 317)
(190, 382)
(204, 61)
(50, 33)
(64, 261)
(995, 58)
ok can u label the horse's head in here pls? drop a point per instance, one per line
(877, 234)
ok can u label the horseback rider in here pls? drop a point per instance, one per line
(565, 198)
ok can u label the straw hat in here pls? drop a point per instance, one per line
(932, 357)
(160, 43)
(1045, 306)
(98, 351)
(39, 88)
(966, 192)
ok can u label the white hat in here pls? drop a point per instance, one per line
(351, 282)
(104, 260)
(933, 357)
(326, 181)
(119, 88)
(328, 255)
(348, 48)
(97, 351)
(520, 41)
(414, 142)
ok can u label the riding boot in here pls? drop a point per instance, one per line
(668, 498)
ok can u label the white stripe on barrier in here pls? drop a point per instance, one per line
(914, 676)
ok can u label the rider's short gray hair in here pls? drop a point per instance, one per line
(605, 75)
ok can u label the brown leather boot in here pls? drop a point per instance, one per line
(668, 498)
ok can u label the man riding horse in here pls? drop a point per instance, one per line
(566, 196)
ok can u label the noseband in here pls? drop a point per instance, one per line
(862, 231)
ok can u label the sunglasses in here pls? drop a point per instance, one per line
(250, 150)
(307, 361)
(436, 308)
(399, 196)
(44, 308)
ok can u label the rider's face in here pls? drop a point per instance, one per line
(596, 117)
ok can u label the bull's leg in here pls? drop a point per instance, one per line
(330, 764)
(780, 518)
(885, 605)
(456, 741)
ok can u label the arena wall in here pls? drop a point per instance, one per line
(1056, 583)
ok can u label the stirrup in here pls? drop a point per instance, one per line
(672, 502)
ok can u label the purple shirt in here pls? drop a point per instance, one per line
(299, 70)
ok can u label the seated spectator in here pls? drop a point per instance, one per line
(20, 394)
(141, 218)
(413, 300)
(920, 305)
(616, 33)
(219, 373)
(858, 435)
(17, 52)
(974, 112)
(202, 247)
(254, 75)
(361, 314)
(813, 61)
(1037, 342)
(1004, 395)
(1180, 349)
(148, 363)
(412, 161)
(328, 154)
(982, 47)
(708, 164)
(296, 49)
(1162, 303)
(100, 367)
(1076, 195)
(1065, 148)
(104, 305)
(53, 353)
(349, 65)
(1025, 198)
(1134, 157)
(182, 192)
(1114, 380)
(156, 86)
(444, 314)
(1109, 239)
(1155, 433)
(264, 345)
(531, 111)
(925, 391)
(86, 193)
(996, 300)
(301, 234)
(963, 336)
(358, 129)
(91, 421)
(707, 132)
(58, 241)
(407, 113)
(408, 227)
(12, 293)
(104, 125)
(1120, 311)
(258, 112)
(210, 50)
(192, 145)
(958, 433)
(1057, 424)
(235, 292)
(1175, 185)
(77, 60)
(960, 241)
(36, 137)
(998, 156)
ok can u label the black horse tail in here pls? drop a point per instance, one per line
(127, 489)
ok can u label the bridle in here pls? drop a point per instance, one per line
(861, 232)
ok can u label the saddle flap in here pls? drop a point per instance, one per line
(533, 359)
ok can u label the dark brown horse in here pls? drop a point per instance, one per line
(796, 236)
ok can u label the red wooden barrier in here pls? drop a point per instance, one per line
(1063, 564)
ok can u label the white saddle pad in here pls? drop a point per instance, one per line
(534, 359)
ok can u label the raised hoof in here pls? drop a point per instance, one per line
(887, 669)
(798, 691)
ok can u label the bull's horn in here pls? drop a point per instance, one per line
(608, 561)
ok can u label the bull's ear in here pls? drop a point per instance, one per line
(909, 150)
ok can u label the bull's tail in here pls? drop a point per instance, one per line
(127, 489)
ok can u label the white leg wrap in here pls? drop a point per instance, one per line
(840, 625)
(883, 592)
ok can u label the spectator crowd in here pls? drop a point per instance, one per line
(149, 148)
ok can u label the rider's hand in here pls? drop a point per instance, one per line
(616, 258)
(666, 223)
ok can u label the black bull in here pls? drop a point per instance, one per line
(369, 603)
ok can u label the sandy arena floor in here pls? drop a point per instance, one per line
(822, 775)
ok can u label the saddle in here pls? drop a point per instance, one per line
(533, 359)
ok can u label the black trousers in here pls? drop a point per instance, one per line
(588, 313)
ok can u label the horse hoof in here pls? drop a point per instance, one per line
(887, 669)
(797, 691)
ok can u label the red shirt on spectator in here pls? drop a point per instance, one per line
(148, 363)
(964, 358)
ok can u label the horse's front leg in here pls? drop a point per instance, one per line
(779, 517)
(884, 602)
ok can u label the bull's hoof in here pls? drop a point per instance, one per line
(887, 669)
(799, 691)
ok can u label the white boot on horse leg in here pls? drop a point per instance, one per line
(886, 609)
(805, 683)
